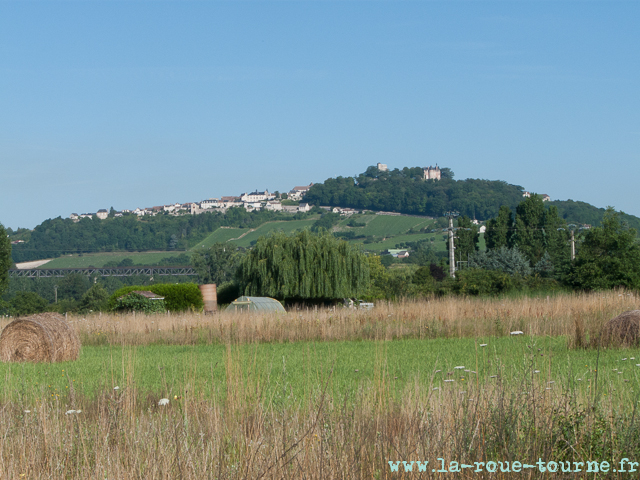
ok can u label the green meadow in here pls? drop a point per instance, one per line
(442, 366)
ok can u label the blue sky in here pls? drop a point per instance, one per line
(134, 104)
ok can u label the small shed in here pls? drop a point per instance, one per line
(256, 304)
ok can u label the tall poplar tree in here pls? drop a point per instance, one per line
(500, 229)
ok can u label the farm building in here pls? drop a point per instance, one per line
(256, 304)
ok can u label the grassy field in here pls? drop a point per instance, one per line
(99, 259)
(449, 365)
(330, 393)
(438, 245)
(384, 225)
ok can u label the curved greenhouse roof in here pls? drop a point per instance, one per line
(256, 304)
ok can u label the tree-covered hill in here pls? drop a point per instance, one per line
(585, 213)
(406, 191)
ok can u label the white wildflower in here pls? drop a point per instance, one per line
(116, 388)
(163, 401)
(517, 332)
(536, 371)
(459, 368)
(71, 412)
(484, 344)
(449, 380)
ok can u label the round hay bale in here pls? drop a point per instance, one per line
(45, 337)
(623, 330)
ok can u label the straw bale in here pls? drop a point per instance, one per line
(45, 337)
(623, 330)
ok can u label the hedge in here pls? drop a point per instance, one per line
(177, 297)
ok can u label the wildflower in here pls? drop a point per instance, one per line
(517, 332)
(623, 359)
(483, 344)
(71, 412)
(437, 371)
(437, 388)
(459, 368)
(536, 371)
(493, 376)
(27, 411)
(116, 388)
(449, 380)
(163, 401)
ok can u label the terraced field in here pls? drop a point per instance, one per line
(244, 236)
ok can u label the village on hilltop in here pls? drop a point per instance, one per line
(252, 202)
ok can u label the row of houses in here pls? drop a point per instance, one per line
(250, 201)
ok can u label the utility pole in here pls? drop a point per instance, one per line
(452, 257)
(573, 247)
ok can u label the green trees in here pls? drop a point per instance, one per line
(217, 264)
(405, 191)
(304, 266)
(608, 257)
(500, 229)
(538, 232)
(27, 303)
(5, 259)
(466, 241)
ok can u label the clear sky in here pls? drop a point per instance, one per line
(141, 103)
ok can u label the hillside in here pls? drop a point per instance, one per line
(375, 233)
(405, 191)
(93, 241)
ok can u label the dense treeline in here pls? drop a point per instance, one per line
(405, 191)
(58, 236)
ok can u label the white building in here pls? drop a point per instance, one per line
(298, 192)
(209, 203)
(257, 196)
(273, 206)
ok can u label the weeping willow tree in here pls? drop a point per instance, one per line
(304, 266)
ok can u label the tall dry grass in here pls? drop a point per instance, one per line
(579, 317)
(125, 435)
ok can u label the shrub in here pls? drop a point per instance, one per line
(27, 303)
(134, 302)
(177, 297)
